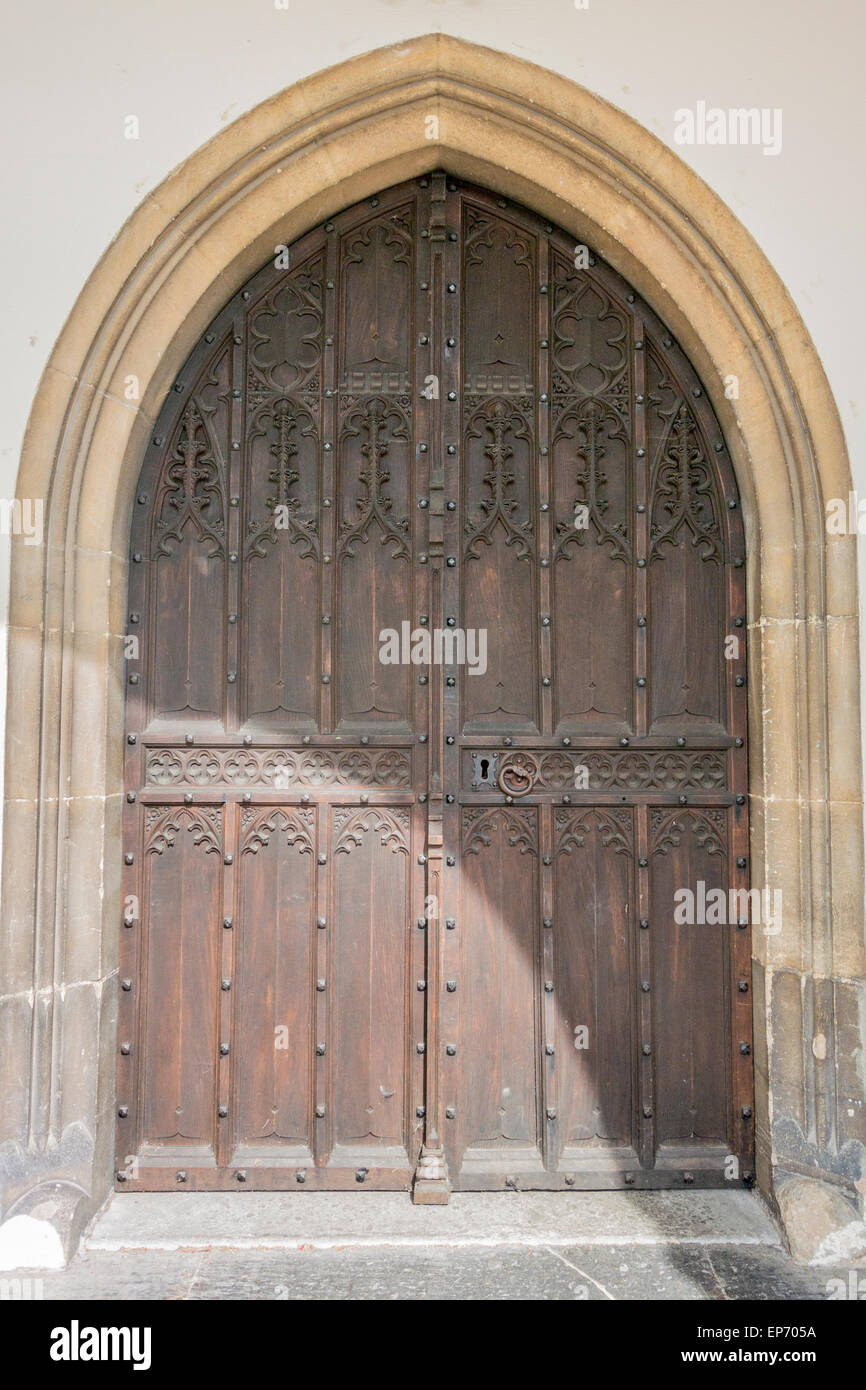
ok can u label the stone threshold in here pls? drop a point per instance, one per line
(290, 1221)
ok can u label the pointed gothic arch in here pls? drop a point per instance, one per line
(326, 142)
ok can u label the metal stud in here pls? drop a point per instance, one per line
(450, 860)
(126, 986)
(745, 1049)
(450, 923)
(421, 985)
(125, 1049)
(450, 1050)
(320, 1049)
(548, 986)
(646, 1049)
(320, 1112)
(450, 1112)
(743, 986)
(224, 1049)
(451, 986)
(644, 923)
(301, 1175)
(123, 1112)
(746, 1112)
(321, 986)
(741, 861)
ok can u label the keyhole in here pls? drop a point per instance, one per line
(485, 769)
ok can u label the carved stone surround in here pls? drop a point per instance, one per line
(553, 146)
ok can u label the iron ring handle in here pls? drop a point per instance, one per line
(518, 775)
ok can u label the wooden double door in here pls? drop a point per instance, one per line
(435, 708)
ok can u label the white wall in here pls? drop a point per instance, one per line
(74, 69)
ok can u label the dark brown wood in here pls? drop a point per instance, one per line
(402, 925)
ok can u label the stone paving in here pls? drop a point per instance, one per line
(484, 1246)
(461, 1273)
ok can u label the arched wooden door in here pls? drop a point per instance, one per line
(435, 710)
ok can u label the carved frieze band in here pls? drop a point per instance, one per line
(654, 770)
(278, 767)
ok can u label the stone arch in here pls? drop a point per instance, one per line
(330, 140)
